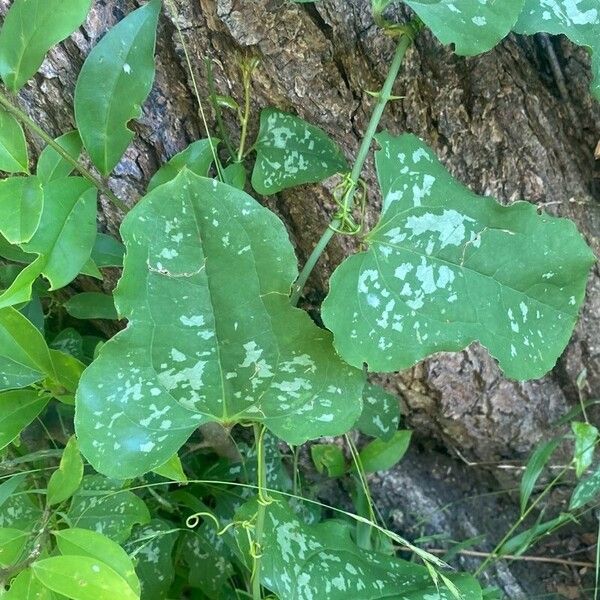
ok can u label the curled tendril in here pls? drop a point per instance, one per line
(343, 193)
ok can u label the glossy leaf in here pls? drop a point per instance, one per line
(100, 505)
(12, 544)
(82, 578)
(446, 267)
(534, 468)
(51, 165)
(330, 458)
(291, 152)
(21, 203)
(114, 82)
(381, 455)
(380, 416)
(25, 586)
(301, 561)
(13, 147)
(18, 408)
(197, 157)
(30, 29)
(82, 542)
(586, 491)
(63, 240)
(91, 305)
(586, 436)
(579, 20)
(211, 335)
(67, 478)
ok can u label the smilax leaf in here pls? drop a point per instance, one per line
(51, 165)
(446, 267)
(21, 203)
(13, 147)
(211, 336)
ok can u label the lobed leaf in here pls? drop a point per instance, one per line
(446, 267)
(211, 334)
(114, 82)
(14, 157)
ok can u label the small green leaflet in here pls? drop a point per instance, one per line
(446, 267)
(114, 82)
(291, 152)
(51, 165)
(302, 562)
(328, 457)
(586, 491)
(21, 204)
(579, 20)
(63, 240)
(211, 334)
(381, 413)
(13, 147)
(66, 479)
(586, 436)
(82, 578)
(534, 468)
(197, 157)
(91, 305)
(30, 29)
(381, 455)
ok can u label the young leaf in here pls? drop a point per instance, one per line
(68, 373)
(197, 157)
(63, 240)
(172, 469)
(82, 578)
(18, 408)
(579, 20)
(235, 175)
(107, 251)
(330, 458)
(65, 481)
(13, 147)
(585, 491)
(51, 165)
(520, 543)
(91, 305)
(381, 413)
(586, 436)
(30, 29)
(12, 544)
(211, 337)
(82, 542)
(380, 455)
(322, 561)
(114, 82)
(21, 203)
(473, 26)
(291, 152)
(26, 587)
(534, 468)
(446, 267)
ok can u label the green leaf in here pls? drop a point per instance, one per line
(13, 147)
(520, 543)
(12, 544)
(66, 480)
(330, 458)
(26, 587)
(114, 82)
(100, 505)
(24, 354)
(51, 165)
(473, 26)
(21, 203)
(579, 20)
(82, 542)
(18, 408)
(302, 561)
(91, 305)
(30, 29)
(63, 241)
(82, 578)
(197, 157)
(211, 335)
(291, 152)
(8, 487)
(586, 436)
(381, 455)
(381, 413)
(20, 512)
(68, 373)
(534, 468)
(235, 175)
(586, 491)
(172, 469)
(107, 251)
(446, 267)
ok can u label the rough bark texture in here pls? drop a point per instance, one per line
(497, 121)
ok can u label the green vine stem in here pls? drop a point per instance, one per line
(263, 502)
(384, 96)
(26, 120)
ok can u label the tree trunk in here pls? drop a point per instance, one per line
(499, 123)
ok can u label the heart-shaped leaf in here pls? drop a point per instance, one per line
(21, 204)
(30, 29)
(579, 20)
(13, 147)
(446, 267)
(211, 337)
(114, 82)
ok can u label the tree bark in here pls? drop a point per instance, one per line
(498, 122)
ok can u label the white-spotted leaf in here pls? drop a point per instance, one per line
(381, 413)
(446, 267)
(587, 490)
(211, 336)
